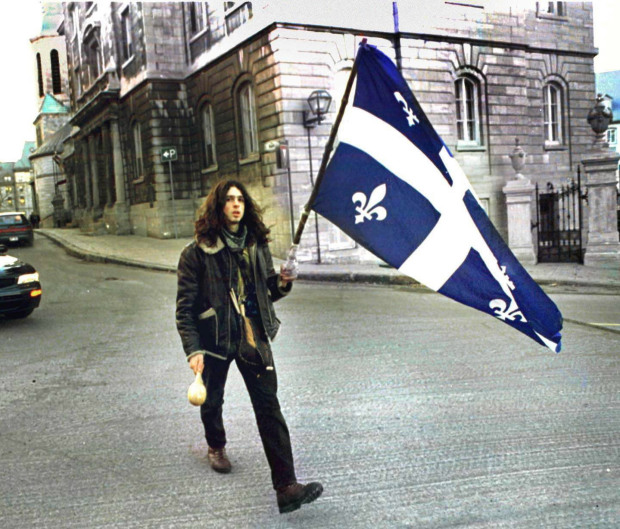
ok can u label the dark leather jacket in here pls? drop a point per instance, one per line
(205, 313)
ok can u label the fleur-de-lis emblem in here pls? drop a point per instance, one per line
(366, 207)
(412, 119)
(503, 312)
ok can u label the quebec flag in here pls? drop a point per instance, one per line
(393, 186)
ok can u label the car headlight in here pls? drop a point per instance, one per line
(28, 278)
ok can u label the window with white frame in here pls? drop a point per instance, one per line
(197, 17)
(208, 135)
(137, 146)
(553, 108)
(612, 136)
(247, 121)
(554, 9)
(468, 122)
(126, 40)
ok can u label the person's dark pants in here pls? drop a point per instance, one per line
(271, 424)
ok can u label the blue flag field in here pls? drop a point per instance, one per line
(393, 186)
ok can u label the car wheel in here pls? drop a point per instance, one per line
(20, 314)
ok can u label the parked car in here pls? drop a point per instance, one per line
(15, 228)
(20, 290)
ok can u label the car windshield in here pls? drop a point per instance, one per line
(11, 220)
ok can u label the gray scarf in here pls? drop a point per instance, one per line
(235, 241)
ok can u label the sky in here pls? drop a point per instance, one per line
(18, 90)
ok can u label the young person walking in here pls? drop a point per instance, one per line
(224, 313)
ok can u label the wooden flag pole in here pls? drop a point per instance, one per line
(326, 153)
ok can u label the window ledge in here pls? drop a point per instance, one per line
(210, 169)
(197, 36)
(549, 16)
(554, 146)
(127, 62)
(252, 158)
(470, 147)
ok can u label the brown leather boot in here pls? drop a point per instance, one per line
(292, 497)
(218, 460)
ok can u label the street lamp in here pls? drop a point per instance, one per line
(319, 102)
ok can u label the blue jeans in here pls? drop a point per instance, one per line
(271, 424)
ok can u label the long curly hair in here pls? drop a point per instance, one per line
(211, 220)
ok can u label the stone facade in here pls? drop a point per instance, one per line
(182, 60)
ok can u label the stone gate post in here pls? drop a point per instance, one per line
(519, 193)
(600, 165)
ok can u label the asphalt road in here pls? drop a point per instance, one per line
(412, 410)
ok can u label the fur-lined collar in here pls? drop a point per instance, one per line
(210, 250)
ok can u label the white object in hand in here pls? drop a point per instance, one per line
(289, 269)
(197, 392)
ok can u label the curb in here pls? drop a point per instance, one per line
(327, 276)
(88, 255)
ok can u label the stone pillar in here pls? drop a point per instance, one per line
(92, 156)
(121, 208)
(600, 164)
(119, 172)
(519, 193)
(87, 179)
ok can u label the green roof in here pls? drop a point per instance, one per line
(51, 105)
(6, 168)
(24, 163)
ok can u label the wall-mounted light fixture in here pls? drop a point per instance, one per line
(319, 102)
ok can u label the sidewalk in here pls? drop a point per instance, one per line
(163, 254)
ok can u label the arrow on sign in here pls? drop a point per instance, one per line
(169, 154)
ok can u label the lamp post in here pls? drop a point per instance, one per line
(319, 102)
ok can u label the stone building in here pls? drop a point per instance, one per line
(222, 83)
(53, 111)
(24, 183)
(8, 200)
(16, 190)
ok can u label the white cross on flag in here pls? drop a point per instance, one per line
(394, 187)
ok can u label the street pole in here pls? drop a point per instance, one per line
(174, 210)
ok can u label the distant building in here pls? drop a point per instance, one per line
(8, 199)
(24, 181)
(222, 83)
(53, 104)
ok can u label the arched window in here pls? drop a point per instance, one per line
(553, 103)
(248, 134)
(56, 84)
(208, 135)
(468, 115)
(40, 75)
(137, 146)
